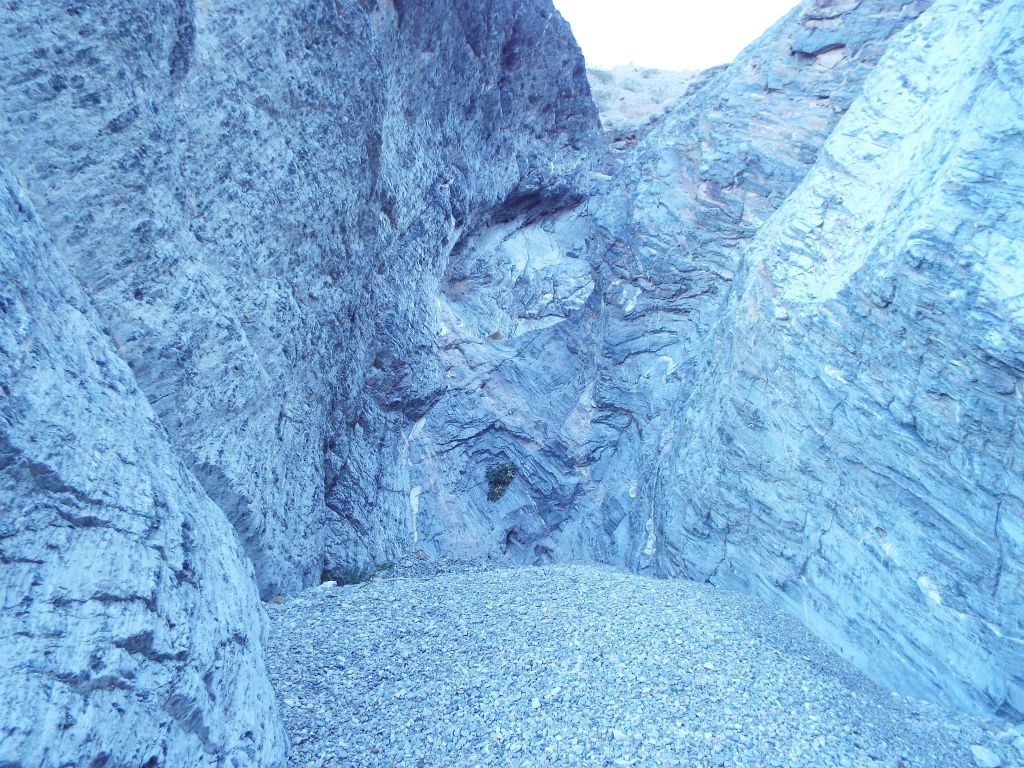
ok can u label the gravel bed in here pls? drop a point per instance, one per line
(463, 665)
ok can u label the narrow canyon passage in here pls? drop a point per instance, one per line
(582, 666)
(318, 286)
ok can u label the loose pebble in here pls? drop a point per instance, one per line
(984, 757)
(469, 664)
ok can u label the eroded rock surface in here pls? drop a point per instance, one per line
(256, 202)
(723, 411)
(854, 447)
(629, 97)
(131, 630)
(260, 199)
(356, 255)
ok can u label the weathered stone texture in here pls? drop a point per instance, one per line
(257, 201)
(131, 631)
(853, 448)
(309, 269)
(259, 198)
(794, 367)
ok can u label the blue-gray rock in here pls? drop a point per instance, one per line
(255, 201)
(985, 757)
(360, 256)
(572, 339)
(851, 452)
(259, 198)
(807, 386)
(131, 630)
(851, 446)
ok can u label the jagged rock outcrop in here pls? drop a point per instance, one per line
(581, 401)
(260, 197)
(579, 405)
(853, 448)
(662, 418)
(131, 630)
(257, 201)
(848, 444)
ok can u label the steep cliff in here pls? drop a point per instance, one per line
(256, 202)
(131, 631)
(357, 278)
(835, 406)
(260, 197)
(573, 337)
(660, 417)
(853, 447)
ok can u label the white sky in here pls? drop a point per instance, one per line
(668, 34)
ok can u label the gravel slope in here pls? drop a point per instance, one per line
(583, 666)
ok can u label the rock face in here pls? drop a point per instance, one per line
(772, 377)
(851, 444)
(853, 447)
(131, 631)
(804, 378)
(257, 202)
(578, 375)
(259, 198)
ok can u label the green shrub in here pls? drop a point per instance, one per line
(348, 574)
(499, 477)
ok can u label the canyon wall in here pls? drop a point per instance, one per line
(260, 198)
(221, 260)
(853, 447)
(585, 406)
(131, 631)
(794, 365)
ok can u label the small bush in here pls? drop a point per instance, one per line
(499, 478)
(349, 574)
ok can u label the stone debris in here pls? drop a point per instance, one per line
(288, 290)
(582, 666)
(985, 757)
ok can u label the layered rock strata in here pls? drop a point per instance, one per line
(259, 199)
(219, 279)
(286, 285)
(853, 449)
(789, 369)
(131, 631)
